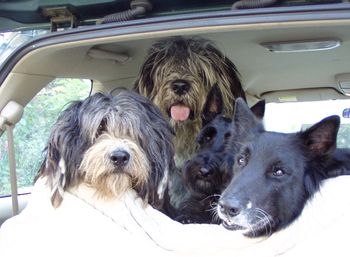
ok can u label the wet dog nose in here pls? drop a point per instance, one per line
(229, 208)
(180, 87)
(119, 157)
(205, 172)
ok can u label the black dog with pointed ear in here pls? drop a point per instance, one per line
(275, 174)
(202, 176)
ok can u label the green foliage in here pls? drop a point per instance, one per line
(343, 140)
(32, 132)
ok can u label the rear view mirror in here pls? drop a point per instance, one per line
(346, 113)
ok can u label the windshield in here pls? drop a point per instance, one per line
(10, 41)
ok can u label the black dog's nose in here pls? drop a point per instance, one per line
(119, 157)
(205, 172)
(229, 208)
(180, 87)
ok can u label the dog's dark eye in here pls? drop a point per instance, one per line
(241, 161)
(102, 127)
(207, 136)
(227, 135)
(278, 172)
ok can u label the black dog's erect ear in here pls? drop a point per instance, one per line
(321, 138)
(259, 109)
(244, 120)
(213, 105)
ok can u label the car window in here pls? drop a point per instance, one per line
(10, 41)
(31, 133)
(296, 116)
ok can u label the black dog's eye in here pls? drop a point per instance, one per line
(207, 135)
(207, 138)
(242, 161)
(278, 172)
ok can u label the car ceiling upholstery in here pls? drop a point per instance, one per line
(262, 72)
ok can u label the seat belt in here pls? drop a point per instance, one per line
(9, 116)
(12, 166)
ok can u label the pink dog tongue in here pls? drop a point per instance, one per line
(179, 112)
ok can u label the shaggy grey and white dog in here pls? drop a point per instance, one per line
(177, 76)
(111, 143)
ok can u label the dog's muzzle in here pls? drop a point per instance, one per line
(180, 87)
(206, 172)
(179, 110)
(227, 210)
(231, 209)
(119, 158)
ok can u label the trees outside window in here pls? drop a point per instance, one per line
(32, 132)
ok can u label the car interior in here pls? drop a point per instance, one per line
(290, 56)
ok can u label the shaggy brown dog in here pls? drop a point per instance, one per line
(177, 76)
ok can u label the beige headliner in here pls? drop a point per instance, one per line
(262, 72)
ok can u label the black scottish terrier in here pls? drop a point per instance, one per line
(276, 173)
(198, 186)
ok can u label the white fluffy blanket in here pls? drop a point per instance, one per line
(86, 226)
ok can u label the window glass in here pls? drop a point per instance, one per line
(32, 132)
(10, 41)
(296, 116)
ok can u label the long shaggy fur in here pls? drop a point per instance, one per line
(86, 133)
(198, 63)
